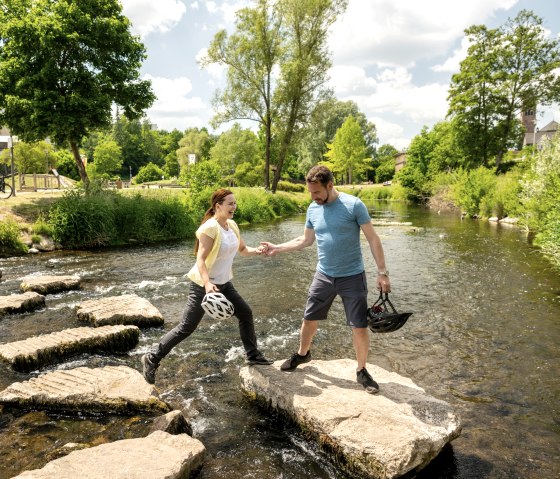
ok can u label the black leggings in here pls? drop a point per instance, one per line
(193, 314)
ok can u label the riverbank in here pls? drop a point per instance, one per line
(72, 220)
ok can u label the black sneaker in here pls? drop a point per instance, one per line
(295, 361)
(365, 379)
(259, 359)
(149, 368)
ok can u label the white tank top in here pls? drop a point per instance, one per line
(221, 270)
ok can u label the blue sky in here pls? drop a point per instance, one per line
(394, 58)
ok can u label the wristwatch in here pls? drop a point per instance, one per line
(383, 273)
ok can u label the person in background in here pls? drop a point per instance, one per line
(218, 241)
(335, 220)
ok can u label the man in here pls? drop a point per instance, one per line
(335, 220)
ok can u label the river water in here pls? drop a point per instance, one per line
(484, 337)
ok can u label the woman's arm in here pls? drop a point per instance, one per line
(245, 250)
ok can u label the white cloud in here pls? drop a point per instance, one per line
(173, 107)
(388, 33)
(194, 6)
(452, 64)
(148, 16)
(216, 71)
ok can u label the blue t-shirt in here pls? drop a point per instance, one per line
(337, 232)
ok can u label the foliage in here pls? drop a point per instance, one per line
(107, 156)
(10, 242)
(42, 227)
(105, 218)
(36, 157)
(471, 189)
(287, 35)
(291, 187)
(65, 164)
(347, 153)
(149, 172)
(541, 198)
(196, 142)
(237, 153)
(325, 119)
(369, 193)
(202, 175)
(507, 70)
(63, 65)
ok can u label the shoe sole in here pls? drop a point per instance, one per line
(370, 390)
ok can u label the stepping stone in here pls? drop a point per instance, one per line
(157, 456)
(50, 284)
(21, 303)
(386, 435)
(38, 351)
(108, 390)
(125, 309)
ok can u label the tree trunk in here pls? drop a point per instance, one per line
(79, 164)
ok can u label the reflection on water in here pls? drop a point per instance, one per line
(483, 337)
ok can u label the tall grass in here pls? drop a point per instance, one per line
(104, 218)
(10, 242)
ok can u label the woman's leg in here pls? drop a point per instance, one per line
(245, 318)
(192, 315)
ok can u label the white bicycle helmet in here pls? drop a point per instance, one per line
(217, 306)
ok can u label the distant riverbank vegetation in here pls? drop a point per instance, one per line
(108, 218)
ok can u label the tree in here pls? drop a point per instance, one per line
(325, 119)
(107, 156)
(347, 153)
(291, 36)
(63, 65)
(507, 70)
(35, 157)
(194, 142)
(149, 172)
(385, 163)
(235, 147)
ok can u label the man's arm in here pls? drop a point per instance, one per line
(303, 241)
(376, 248)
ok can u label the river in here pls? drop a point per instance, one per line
(484, 337)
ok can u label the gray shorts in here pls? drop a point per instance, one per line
(352, 290)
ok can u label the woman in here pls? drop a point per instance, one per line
(218, 240)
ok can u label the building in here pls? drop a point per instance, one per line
(400, 160)
(534, 135)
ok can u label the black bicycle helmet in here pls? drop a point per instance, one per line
(381, 319)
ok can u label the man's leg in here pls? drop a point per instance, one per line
(360, 338)
(308, 330)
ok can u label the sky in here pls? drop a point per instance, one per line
(393, 58)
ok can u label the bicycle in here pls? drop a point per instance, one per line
(5, 189)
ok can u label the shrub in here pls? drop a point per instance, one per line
(290, 187)
(10, 242)
(42, 227)
(149, 172)
(472, 187)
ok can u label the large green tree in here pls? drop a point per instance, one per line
(277, 62)
(507, 70)
(325, 119)
(63, 65)
(347, 155)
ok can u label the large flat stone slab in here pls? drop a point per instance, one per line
(111, 389)
(157, 456)
(50, 284)
(20, 303)
(386, 435)
(125, 309)
(38, 351)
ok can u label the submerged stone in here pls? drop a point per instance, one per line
(20, 303)
(386, 435)
(157, 456)
(44, 349)
(50, 284)
(125, 309)
(110, 389)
